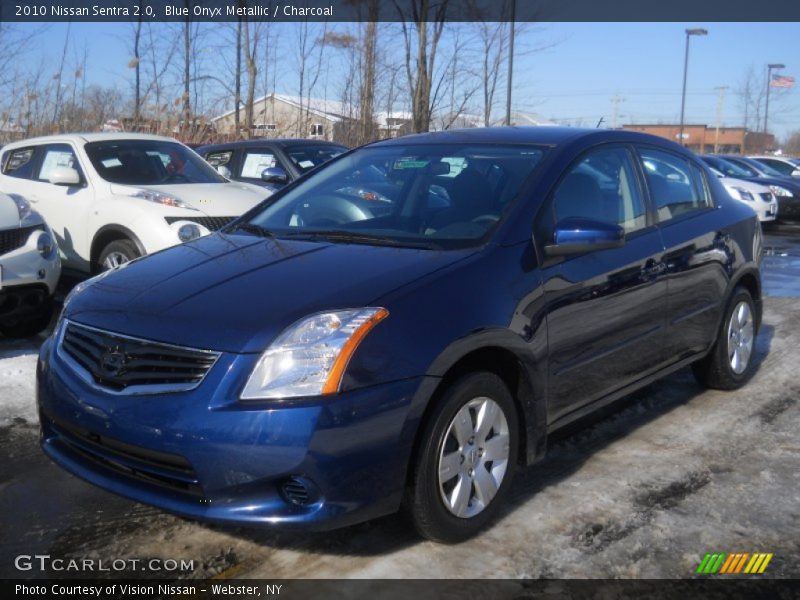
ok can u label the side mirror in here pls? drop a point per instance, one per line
(224, 171)
(576, 235)
(274, 175)
(64, 176)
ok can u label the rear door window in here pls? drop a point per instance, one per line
(676, 186)
(19, 163)
(255, 161)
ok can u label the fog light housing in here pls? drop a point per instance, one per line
(45, 245)
(189, 232)
(298, 491)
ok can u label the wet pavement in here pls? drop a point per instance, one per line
(781, 265)
(714, 471)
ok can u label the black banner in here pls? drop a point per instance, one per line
(396, 589)
(399, 10)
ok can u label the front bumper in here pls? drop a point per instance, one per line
(205, 455)
(25, 266)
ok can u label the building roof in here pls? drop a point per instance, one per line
(331, 110)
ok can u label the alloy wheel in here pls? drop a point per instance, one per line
(740, 337)
(473, 457)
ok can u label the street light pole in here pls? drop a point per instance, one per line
(689, 33)
(769, 80)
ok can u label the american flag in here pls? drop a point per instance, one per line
(781, 81)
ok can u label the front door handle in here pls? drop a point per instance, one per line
(653, 268)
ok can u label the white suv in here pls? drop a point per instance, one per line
(110, 198)
(29, 268)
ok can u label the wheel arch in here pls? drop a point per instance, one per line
(507, 356)
(110, 233)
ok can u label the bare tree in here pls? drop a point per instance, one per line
(252, 33)
(422, 27)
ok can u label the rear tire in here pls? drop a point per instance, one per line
(115, 254)
(475, 426)
(729, 364)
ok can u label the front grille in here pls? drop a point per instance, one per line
(157, 468)
(11, 239)
(22, 299)
(767, 197)
(210, 223)
(130, 365)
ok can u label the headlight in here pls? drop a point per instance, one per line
(780, 191)
(23, 206)
(159, 198)
(189, 232)
(743, 194)
(310, 357)
(45, 245)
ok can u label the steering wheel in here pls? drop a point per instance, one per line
(487, 219)
(174, 176)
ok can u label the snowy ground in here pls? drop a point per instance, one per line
(645, 491)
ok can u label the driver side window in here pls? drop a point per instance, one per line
(602, 187)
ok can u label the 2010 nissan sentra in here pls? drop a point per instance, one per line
(402, 328)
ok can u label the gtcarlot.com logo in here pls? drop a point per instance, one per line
(741, 563)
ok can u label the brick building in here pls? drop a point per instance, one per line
(704, 139)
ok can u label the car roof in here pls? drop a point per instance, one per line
(89, 137)
(260, 142)
(541, 135)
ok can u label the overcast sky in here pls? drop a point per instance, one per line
(575, 78)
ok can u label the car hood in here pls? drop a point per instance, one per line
(750, 186)
(9, 215)
(229, 199)
(786, 182)
(235, 293)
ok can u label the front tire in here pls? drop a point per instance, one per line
(730, 364)
(117, 253)
(466, 460)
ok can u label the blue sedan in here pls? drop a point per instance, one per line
(402, 329)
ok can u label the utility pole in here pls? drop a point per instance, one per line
(513, 26)
(615, 100)
(720, 104)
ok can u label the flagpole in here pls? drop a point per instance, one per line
(769, 83)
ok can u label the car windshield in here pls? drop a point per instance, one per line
(149, 162)
(728, 168)
(307, 157)
(429, 196)
(764, 168)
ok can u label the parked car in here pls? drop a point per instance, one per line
(29, 268)
(758, 197)
(315, 365)
(786, 189)
(112, 197)
(267, 162)
(785, 165)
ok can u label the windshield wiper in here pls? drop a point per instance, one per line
(357, 238)
(251, 228)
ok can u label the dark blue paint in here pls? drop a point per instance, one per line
(580, 330)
